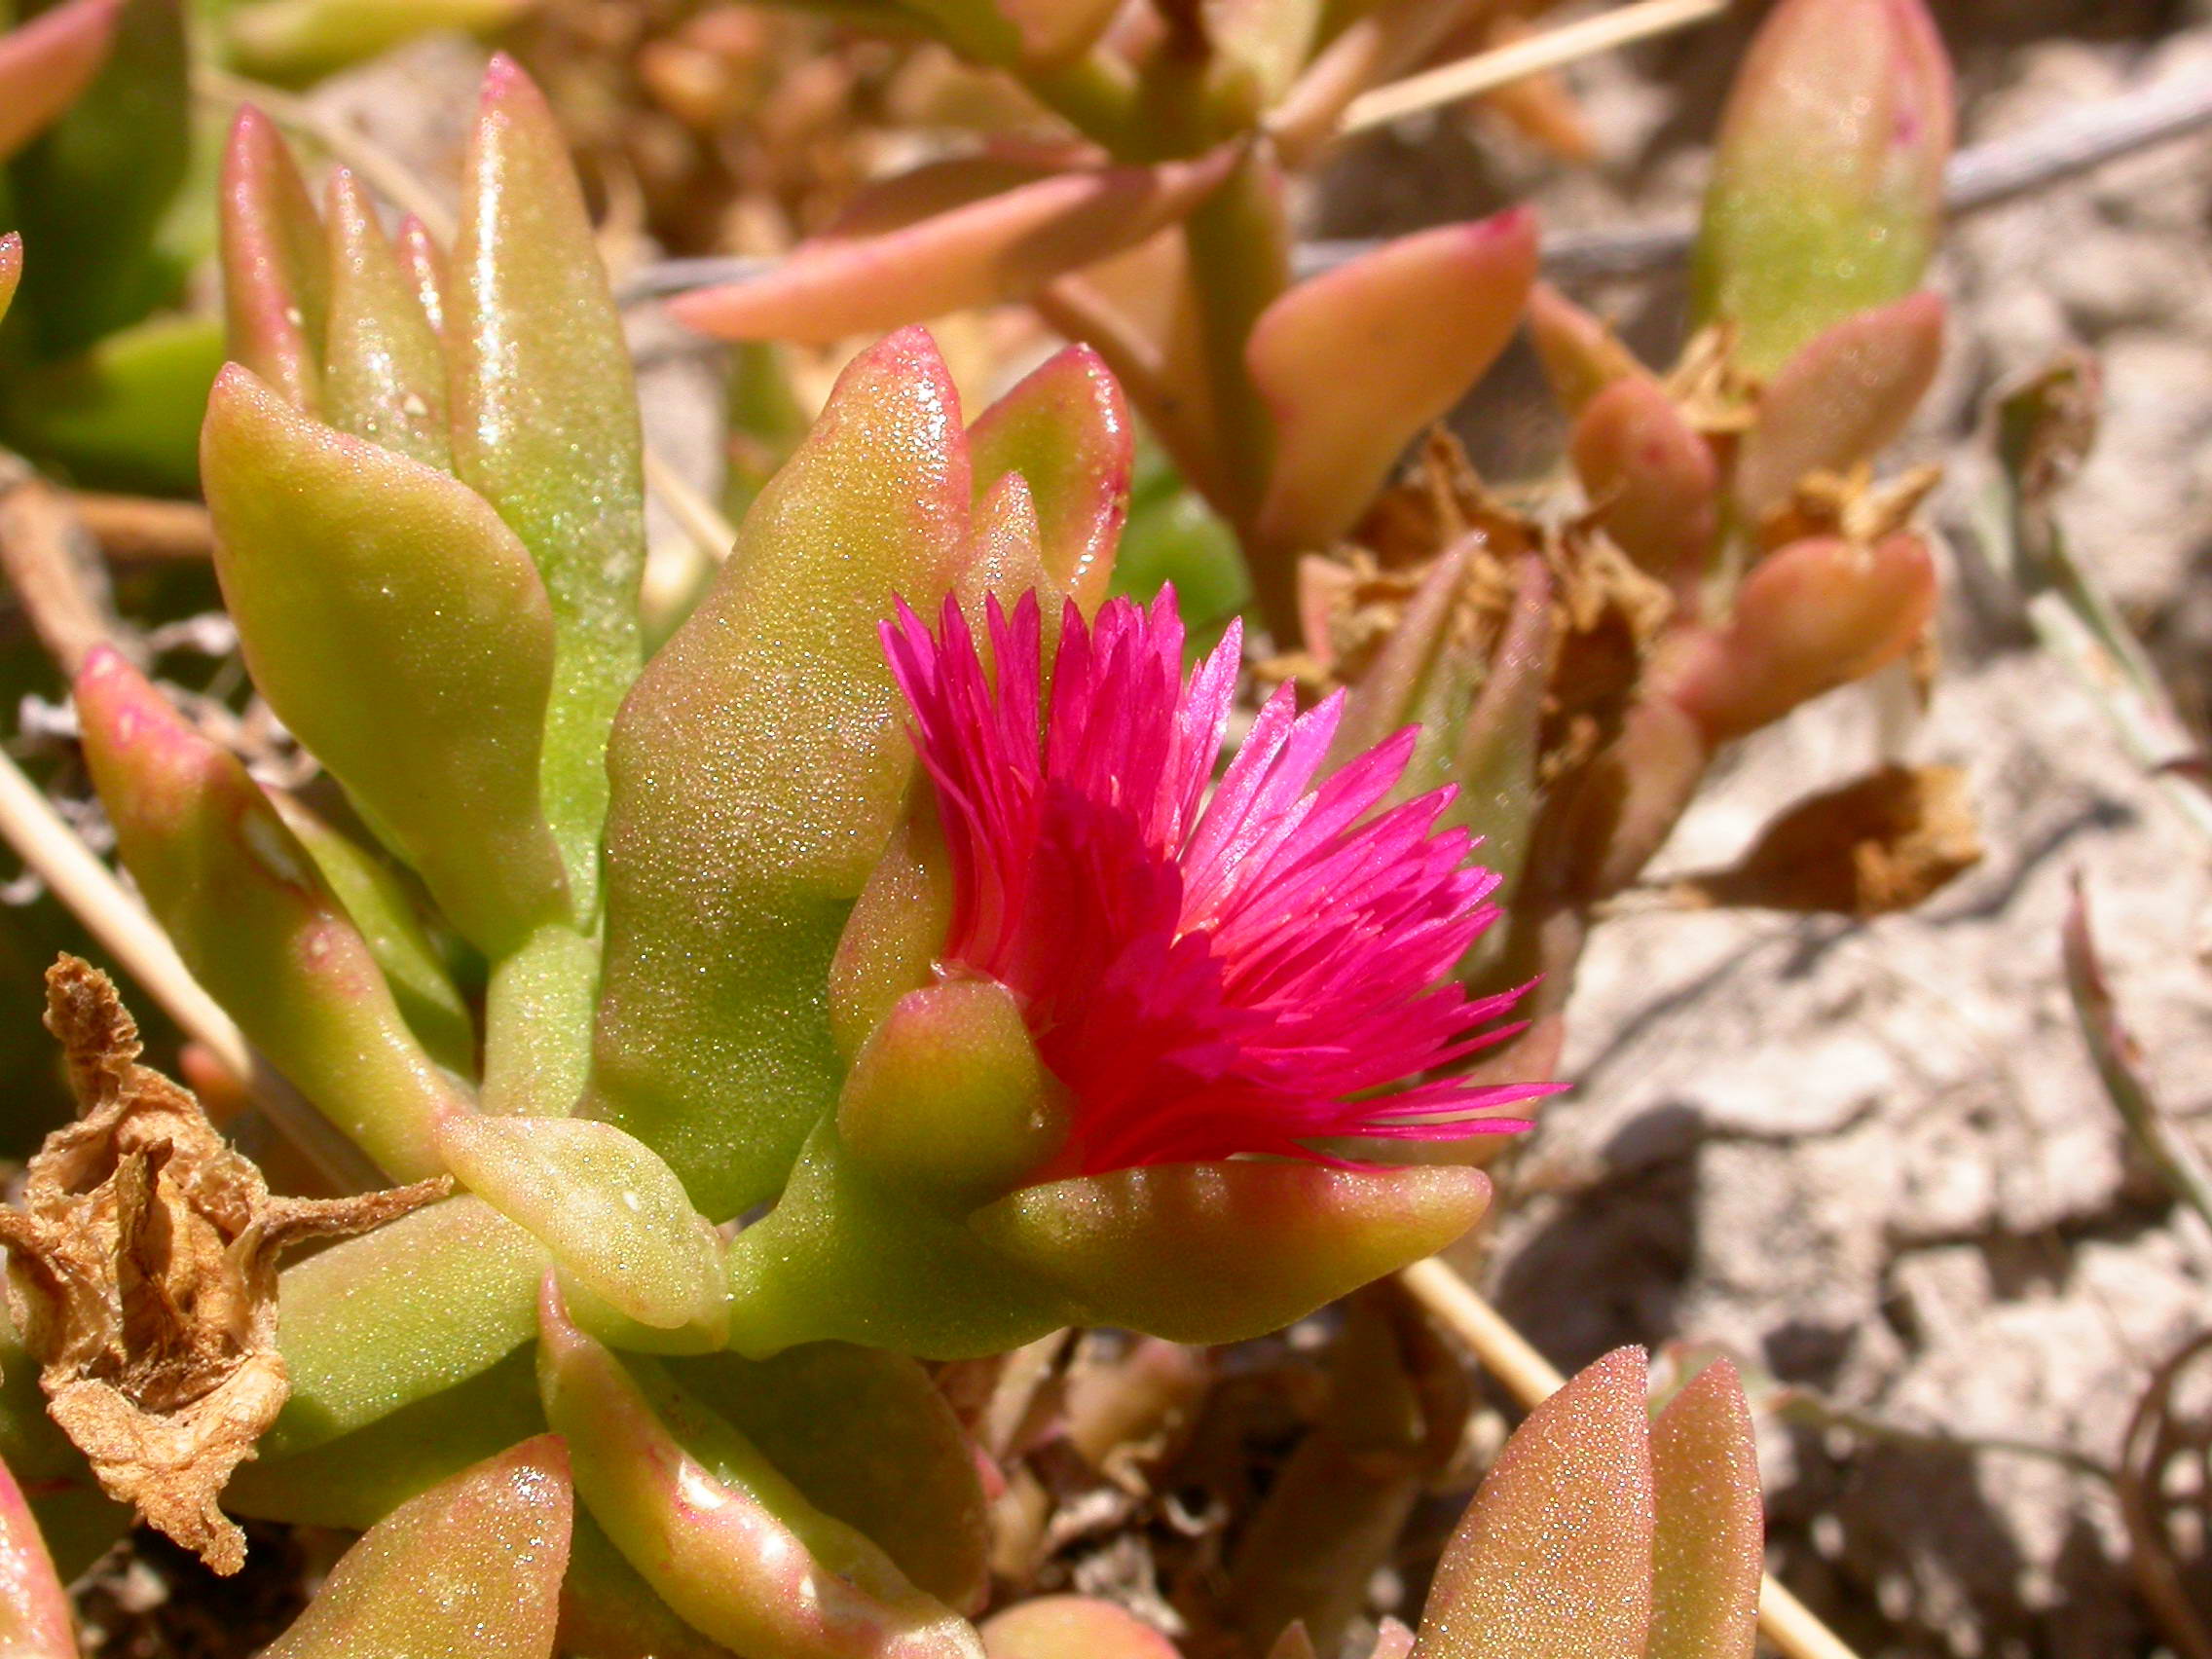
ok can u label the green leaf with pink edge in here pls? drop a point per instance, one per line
(46, 61)
(1810, 617)
(1552, 1558)
(610, 1612)
(1423, 316)
(1827, 178)
(383, 370)
(757, 771)
(1651, 479)
(471, 1568)
(1709, 1547)
(1004, 556)
(910, 1483)
(608, 1209)
(382, 906)
(948, 1099)
(1580, 355)
(894, 932)
(990, 243)
(1065, 428)
(1840, 399)
(725, 1539)
(1072, 1627)
(34, 1609)
(253, 920)
(546, 428)
(276, 262)
(424, 263)
(400, 630)
(1222, 1252)
(356, 1480)
(11, 268)
(372, 1325)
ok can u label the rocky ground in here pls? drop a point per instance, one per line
(1874, 1158)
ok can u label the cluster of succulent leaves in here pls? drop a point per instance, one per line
(577, 1402)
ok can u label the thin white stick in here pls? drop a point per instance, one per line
(142, 950)
(1784, 1621)
(702, 521)
(1449, 82)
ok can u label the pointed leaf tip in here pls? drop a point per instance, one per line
(276, 262)
(1553, 1560)
(1073, 1627)
(1425, 315)
(1709, 1550)
(1065, 428)
(470, 1570)
(253, 919)
(46, 61)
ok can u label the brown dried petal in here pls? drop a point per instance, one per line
(1887, 843)
(142, 1274)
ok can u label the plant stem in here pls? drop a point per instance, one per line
(1784, 1621)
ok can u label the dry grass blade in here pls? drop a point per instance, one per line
(1450, 82)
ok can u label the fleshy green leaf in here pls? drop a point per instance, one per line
(947, 239)
(377, 903)
(948, 1096)
(610, 1612)
(290, 41)
(910, 1482)
(253, 920)
(376, 1323)
(93, 193)
(1422, 316)
(1066, 431)
(470, 1570)
(400, 630)
(726, 1540)
(356, 1480)
(611, 1212)
(546, 428)
(1840, 399)
(1553, 1560)
(384, 376)
(757, 771)
(125, 414)
(1221, 1252)
(1709, 1547)
(34, 1610)
(46, 62)
(276, 262)
(1828, 176)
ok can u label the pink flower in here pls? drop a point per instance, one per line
(1247, 973)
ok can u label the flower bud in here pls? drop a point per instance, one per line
(1828, 182)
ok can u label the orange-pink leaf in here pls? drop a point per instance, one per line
(1650, 478)
(977, 250)
(1709, 1547)
(1353, 363)
(1554, 1558)
(47, 63)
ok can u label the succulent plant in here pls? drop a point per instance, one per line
(879, 973)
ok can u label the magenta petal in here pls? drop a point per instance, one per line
(1208, 976)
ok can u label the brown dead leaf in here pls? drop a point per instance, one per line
(1887, 843)
(142, 1275)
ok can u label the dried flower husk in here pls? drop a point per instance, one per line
(142, 1274)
